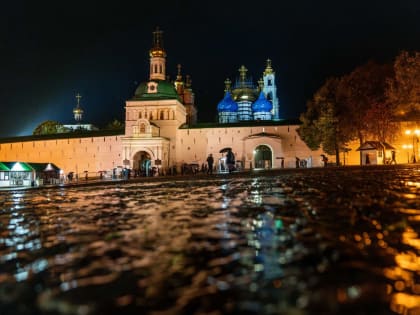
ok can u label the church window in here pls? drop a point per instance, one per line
(160, 68)
(161, 115)
(151, 116)
(155, 68)
(269, 96)
(142, 128)
(269, 82)
(140, 115)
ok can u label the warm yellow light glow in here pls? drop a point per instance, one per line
(407, 146)
(408, 132)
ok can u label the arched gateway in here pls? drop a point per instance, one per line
(263, 157)
(141, 162)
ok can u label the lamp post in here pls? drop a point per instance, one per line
(407, 147)
(414, 133)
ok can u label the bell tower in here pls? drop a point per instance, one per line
(157, 57)
(270, 89)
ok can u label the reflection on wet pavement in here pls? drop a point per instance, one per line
(315, 241)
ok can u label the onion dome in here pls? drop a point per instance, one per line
(227, 104)
(262, 104)
(155, 90)
(244, 89)
(157, 48)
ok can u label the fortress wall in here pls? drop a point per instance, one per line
(90, 154)
(194, 145)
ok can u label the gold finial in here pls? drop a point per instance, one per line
(78, 112)
(228, 83)
(242, 72)
(260, 84)
(78, 97)
(157, 38)
(179, 76)
(268, 68)
(157, 44)
(188, 81)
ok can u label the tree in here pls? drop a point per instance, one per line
(403, 89)
(323, 124)
(115, 125)
(363, 93)
(48, 127)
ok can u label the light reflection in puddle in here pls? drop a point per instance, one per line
(274, 245)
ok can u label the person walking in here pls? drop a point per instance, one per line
(230, 160)
(210, 162)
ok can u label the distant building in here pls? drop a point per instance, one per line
(246, 101)
(78, 117)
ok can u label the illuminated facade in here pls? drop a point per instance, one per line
(161, 130)
(245, 101)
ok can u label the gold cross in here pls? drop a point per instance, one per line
(78, 96)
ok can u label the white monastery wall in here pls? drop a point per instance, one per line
(194, 145)
(90, 154)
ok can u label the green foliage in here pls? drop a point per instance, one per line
(404, 88)
(48, 127)
(363, 93)
(115, 125)
(354, 106)
(323, 120)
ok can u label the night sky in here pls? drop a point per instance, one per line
(51, 50)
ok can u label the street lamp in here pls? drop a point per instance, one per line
(407, 147)
(415, 133)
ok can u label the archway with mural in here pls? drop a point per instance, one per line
(142, 163)
(263, 157)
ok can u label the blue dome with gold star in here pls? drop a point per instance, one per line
(262, 104)
(227, 104)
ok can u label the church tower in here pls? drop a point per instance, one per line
(78, 112)
(157, 57)
(270, 89)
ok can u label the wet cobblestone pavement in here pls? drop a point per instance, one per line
(299, 242)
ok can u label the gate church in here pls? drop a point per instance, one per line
(161, 129)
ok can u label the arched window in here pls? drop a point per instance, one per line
(140, 115)
(155, 68)
(269, 82)
(150, 116)
(142, 128)
(160, 68)
(161, 115)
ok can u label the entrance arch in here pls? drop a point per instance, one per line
(263, 157)
(142, 163)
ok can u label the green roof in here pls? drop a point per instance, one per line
(3, 167)
(165, 90)
(18, 166)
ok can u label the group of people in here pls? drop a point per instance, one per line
(230, 162)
